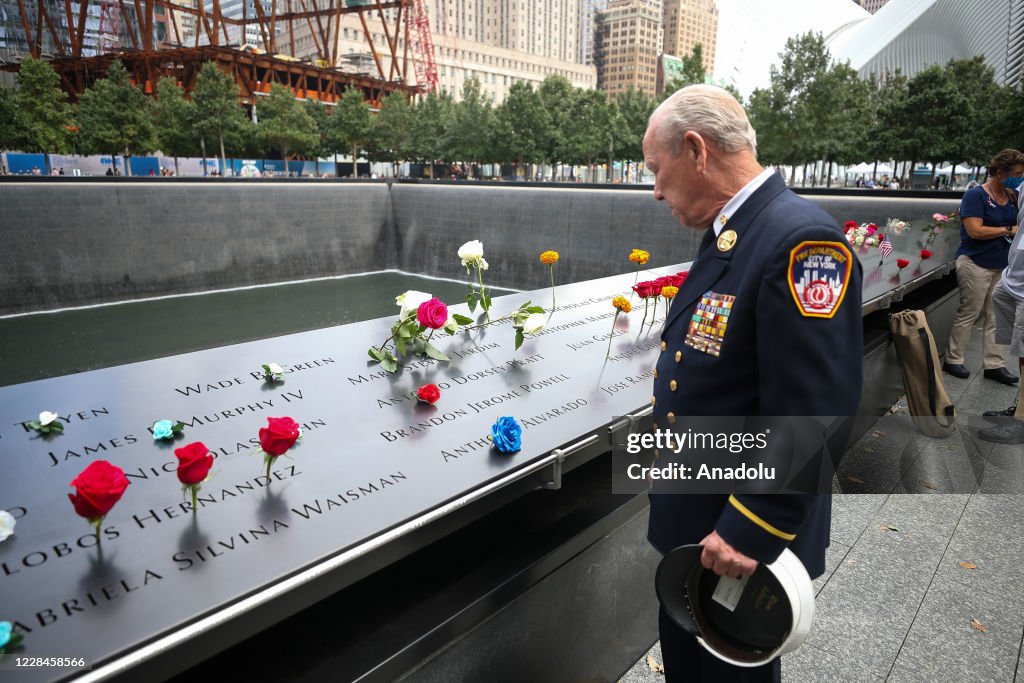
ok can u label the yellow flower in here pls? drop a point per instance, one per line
(622, 303)
(669, 291)
(640, 256)
(549, 257)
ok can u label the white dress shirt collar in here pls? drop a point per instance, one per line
(737, 199)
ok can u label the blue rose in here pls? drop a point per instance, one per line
(163, 429)
(507, 435)
(5, 633)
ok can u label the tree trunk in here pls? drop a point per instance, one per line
(355, 164)
(223, 157)
(202, 144)
(127, 163)
(176, 171)
(792, 175)
(287, 172)
(828, 180)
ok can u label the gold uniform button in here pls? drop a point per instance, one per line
(653, 400)
(679, 356)
(671, 418)
(655, 373)
(672, 385)
(664, 346)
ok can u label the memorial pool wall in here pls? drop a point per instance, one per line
(79, 242)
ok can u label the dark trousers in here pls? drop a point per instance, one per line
(687, 662)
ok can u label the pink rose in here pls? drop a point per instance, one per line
(432, 313)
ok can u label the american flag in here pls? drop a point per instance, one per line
(885, 246)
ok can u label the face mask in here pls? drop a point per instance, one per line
(1013, 183)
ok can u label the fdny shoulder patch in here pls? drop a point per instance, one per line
(819, 273)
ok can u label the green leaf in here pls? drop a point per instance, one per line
(404, 332)
(519, 337)
(177, 428)
(421, 329)
(462, 319)
(390, 364)
(419, 346)
(400, 345)
(375, 353)
(471, 300)
(435, 353)
(535, 309)
(266, 368)
(890, 527)
(57, 426)
(485, 301)
(35, 424)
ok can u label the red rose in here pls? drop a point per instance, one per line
(97, 489)
(643, 289)
(279, 435)
(902, 262)
(433, 314)
(683, 274)
(656, 286)
(848, 225)
(925, 254)
(194, 462)
(428, 393)
(674, 280)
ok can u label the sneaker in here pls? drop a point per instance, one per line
(956, 370)
(1010, 433)
(1000, 415)
(1001, 375)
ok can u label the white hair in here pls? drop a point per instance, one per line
(709, 110)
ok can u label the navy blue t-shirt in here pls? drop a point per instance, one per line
(986, 253)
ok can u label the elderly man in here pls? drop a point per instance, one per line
(767, 323)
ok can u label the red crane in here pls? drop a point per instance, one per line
(423, 48)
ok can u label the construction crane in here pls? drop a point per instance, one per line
(423, 49)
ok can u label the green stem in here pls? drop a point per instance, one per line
(612, 335)
(194, 496)
(270, 461)
(635, 280)
(552, 287)
(99, 527)
(480, 278)
(646, 305)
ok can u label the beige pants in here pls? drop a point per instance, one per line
(976, 284)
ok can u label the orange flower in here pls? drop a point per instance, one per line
(549, 257)
(640, 256)
(622, 303)
(669, 292)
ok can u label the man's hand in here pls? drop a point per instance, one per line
(723, 559)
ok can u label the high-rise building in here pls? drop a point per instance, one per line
(546, 28)
(240, 9)
(689, 23)
(474, 39)
(627, 42)
(588, 14)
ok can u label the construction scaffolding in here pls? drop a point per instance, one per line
(156, 38)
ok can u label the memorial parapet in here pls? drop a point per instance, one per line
(371, 459)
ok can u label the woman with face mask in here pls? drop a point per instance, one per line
(988, 215)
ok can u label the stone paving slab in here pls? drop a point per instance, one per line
(942, 644)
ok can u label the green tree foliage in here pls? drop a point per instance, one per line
(432, 116)
(217, 115)
(320, 146)
(979, 124)
(594, 124)
(389, 134)
(521, 125)
(470, 133)
(556, 94)
(635, 108)
(692, 72)
(284, 125)
(172, 116)
(840, 106)
(115, 117)
(43, 113)
(8, 112)
(886, 134)
(350, 126)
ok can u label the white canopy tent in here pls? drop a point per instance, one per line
(958, 169)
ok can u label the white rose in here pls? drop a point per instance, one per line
(871, 241)
(275, 369)
(534, 323)
(6, 524)
(859, 241)
(472, 252)
(411, 300)
(451, 327)
(46, 417)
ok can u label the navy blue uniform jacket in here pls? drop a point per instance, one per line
(784, 348)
